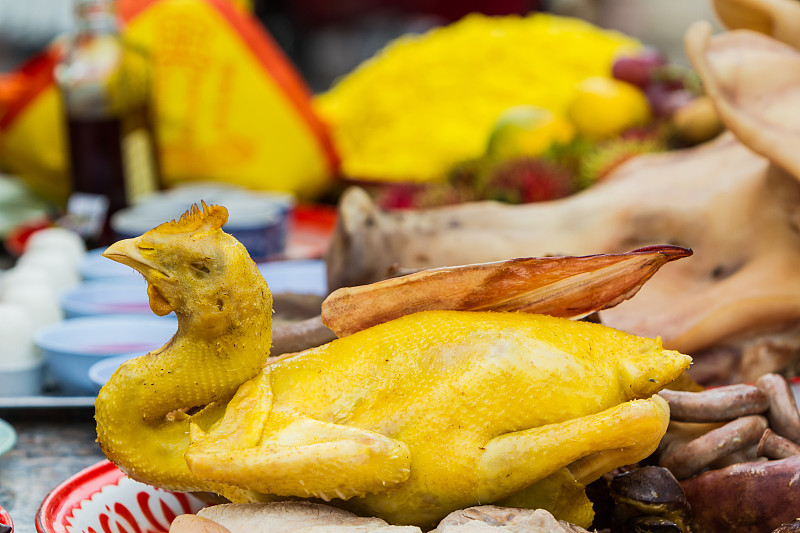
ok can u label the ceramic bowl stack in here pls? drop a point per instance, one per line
(72, 346)
(107, 315)
(49, 337)
(258, 219)
(30, 295)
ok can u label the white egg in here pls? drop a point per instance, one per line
(17, 349)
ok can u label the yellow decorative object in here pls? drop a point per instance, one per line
(407, 420)
(230, 107)
(426, 102)
(33, 141)
(604, 107)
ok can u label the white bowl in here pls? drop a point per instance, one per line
(23, 381)
(71, 347)
(40, 301)
(60, 268)
(63, 240)
(17, 350)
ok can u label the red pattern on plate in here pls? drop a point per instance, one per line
(101, 499)
(5, 519)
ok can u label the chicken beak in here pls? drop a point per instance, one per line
(127, 252)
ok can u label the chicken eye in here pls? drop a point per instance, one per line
(200, 268)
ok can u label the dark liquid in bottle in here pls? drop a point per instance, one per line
(97, 168)
(95, 152)
(106, 160)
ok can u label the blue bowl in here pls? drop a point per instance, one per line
(96, 267)
(260, 221)
(119, 296)
(71, 347)
(101, 371)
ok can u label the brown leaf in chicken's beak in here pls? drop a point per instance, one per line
(569, 287)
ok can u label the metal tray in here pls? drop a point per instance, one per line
(51, 397)
(45, 402)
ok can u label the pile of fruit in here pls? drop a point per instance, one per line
(517, 109)
(533, 154)
(426, 101)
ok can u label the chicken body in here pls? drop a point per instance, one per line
(407, 420)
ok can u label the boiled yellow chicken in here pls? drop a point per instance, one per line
(406, 420)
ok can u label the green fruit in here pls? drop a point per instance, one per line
(527, 130)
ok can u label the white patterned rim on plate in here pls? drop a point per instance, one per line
(101, 499)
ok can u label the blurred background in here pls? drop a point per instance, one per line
(119, 115)
(329, 39)
(306, 97)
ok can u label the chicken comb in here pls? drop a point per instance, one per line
(207, 218)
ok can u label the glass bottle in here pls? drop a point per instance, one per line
(105, 90)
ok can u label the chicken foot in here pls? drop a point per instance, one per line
(510, 460)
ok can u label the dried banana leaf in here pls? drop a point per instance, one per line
(569, 287)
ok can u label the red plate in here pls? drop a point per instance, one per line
(101, 499)
(5, 519)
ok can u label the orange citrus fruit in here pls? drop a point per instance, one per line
(603, 107)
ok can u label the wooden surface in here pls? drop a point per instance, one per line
(52, 445)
